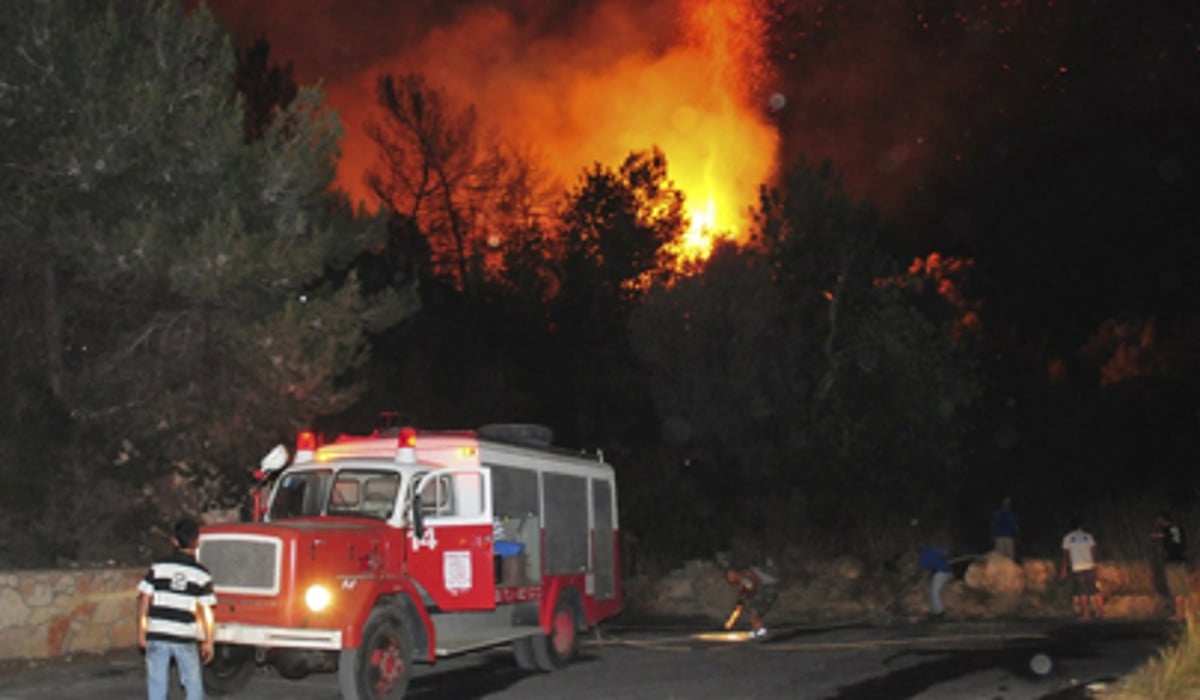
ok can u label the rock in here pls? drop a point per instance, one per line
(846, 568)
(676, 590)
(13, 611)
(996, 575)
(1040, 574)
(1135, 607)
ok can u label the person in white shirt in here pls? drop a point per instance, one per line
(1079, 557)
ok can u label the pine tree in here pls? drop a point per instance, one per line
(170, 287)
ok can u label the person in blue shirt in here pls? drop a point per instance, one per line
(1005, 528)
(935, 561)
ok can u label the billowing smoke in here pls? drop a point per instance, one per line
(574, 86)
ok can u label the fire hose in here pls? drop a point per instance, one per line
(778, 642)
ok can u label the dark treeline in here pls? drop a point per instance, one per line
(182, 289)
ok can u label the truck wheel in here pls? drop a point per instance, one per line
(553, 651)
(381, 667)
(523, 654)
(230, 670)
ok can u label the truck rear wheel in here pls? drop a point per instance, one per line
(230, 670)
(381, 668)
(555, 650)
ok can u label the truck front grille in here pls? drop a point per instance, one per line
(242, 563)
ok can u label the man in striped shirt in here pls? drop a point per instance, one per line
(174, 613)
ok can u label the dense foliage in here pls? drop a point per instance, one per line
(797, 386)
(164, 283)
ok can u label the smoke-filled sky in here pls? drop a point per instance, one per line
(1053, 140)
(571, 83)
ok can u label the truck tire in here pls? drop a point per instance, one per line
(523, 654)
(555, 650)
(381, 668)
(230, 670)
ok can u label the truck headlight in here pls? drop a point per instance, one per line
(317, 597)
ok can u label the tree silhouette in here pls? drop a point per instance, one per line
(614, 228)
(435, 172)
(793, 383)
(266, 89)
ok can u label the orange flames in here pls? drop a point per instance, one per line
(686, 76)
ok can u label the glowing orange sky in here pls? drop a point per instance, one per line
(595, 94)
(576, 87)
(899, 100)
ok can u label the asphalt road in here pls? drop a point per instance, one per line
(992, 661)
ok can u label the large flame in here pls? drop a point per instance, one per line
(721, 175)
(688, 79)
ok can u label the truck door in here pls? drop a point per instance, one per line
(452, 559)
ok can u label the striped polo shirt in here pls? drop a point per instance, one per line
(175, 585)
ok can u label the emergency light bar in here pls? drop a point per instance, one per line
(306, 446)
(306, 440)
(406, 446)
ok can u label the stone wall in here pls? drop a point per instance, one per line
(56, 612)
(992, 587)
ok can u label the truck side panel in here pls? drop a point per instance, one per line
(566, 523)
(604, 552)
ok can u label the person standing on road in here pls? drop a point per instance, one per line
(1079, 557)
(175, 602)
(1174, 542)
(1006, 526)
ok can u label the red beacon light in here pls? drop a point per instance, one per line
(306, 446)
(406, 446)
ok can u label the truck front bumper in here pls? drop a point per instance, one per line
(275, 637)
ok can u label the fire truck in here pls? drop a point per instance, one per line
(372, 553)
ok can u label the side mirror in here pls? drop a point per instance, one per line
(275, 460)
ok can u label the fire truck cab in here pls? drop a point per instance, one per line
(375, 552)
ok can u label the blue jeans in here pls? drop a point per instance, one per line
(158, 668)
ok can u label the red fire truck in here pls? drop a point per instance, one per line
(376, 552)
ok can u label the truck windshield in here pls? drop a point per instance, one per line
(353, 492)
(301, 494)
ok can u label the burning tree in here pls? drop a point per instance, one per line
(613, 237)
(444, 178)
